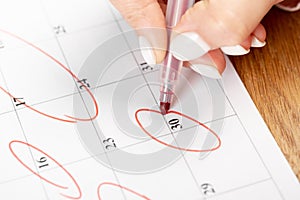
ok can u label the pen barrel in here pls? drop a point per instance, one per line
(171, 69)
(175, 10)
(169, 76)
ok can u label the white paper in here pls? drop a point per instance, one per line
(73, 90)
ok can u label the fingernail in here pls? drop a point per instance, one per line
(257, 43)
(188, 46)
(236, 50)
(147, 50)
(206, 70)
(289, 9)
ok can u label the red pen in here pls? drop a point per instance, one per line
(171, 66)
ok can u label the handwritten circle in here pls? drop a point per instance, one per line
(41, 177)
(182, 115)
(71, 118)
(139, 163)
(119, 186)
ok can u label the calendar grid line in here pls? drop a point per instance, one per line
(16, 179)
(92, 103)
(120, 80)
(149, 88)
(195, 179)
(77, 92)
(254, 147)
(80, 93)
(40, 103)
(124, 147)
(109, 83)
(74, 93)
(24, 135)
(6, 112)
(69, 33)
(85, 29)
(145, 79)
(239, 188)
(209, 197)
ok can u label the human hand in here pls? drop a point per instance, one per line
(289, 5)
(212, 27)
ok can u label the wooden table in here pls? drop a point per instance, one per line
(272, 77)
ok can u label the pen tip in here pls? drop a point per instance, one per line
(164, 107)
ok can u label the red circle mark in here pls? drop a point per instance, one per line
(121, 187)
(185, 116)
(71, 119)
(41, 177)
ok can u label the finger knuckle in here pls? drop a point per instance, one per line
(234, 30)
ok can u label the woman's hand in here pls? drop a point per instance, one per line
(212, 26)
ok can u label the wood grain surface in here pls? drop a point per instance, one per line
(272, 77)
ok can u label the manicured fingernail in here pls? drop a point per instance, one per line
(289, 9)
(206, 70)
(147, 50)
(236, 50)
(188, 46)
(257, 43)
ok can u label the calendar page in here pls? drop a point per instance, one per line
(80, 118)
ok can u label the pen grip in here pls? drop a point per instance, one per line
(171, 69)
(175, 10)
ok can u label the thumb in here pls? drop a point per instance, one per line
(147, 18)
